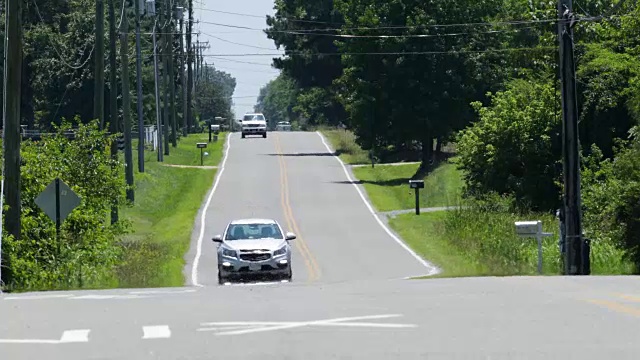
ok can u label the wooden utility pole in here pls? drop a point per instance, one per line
(139, 89)
(172, 76)
(11, 123)
(183, 78)
(126, 106)
(189, 69)
(98, 92)
(576, 258)
(113, 96)
(166, 121)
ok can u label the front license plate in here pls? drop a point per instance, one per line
(254, 267)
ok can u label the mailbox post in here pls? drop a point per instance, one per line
(533, 229)
(202, 146)
(416, 185)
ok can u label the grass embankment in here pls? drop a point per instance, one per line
(474, 240)
(388, 186)
(344, 144)
(167, 200)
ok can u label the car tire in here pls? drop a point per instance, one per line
(289, 275)
(264, 135)
(243, 135)
(221, 280)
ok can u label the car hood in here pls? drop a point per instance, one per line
(255, 244)
(254, 122)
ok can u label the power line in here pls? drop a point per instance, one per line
(236, 43)
(74, 67)
(241, 62)
(401, 27)
(265, 15)
(450, 52)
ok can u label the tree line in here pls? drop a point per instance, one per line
(414, 74)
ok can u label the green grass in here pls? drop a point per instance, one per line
(344, 144)
(167, 202)
(480, 242)
(187, 154)
(388, 186)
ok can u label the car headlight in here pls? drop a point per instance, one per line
(281, 251)
(229, 253)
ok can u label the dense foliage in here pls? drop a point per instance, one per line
(87, 249)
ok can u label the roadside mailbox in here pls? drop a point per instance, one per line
(533, 229)
(201, 146)
(416, 185)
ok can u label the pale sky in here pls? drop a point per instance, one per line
(249, 77)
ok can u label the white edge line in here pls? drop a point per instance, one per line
(37, 297)
(432, 269)
(203, 216)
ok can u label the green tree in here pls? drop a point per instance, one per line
(301, 28)
(277, 100)
(422, 89)
(514, 146)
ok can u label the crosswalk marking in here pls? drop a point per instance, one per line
(156, 332)
(74, 336)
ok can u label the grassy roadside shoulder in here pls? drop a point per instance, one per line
(344, 144)
(476, 240)
(388, 186)
(167, 200)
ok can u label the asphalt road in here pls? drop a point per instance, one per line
(348, 298)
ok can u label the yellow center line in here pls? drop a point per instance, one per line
(293, 219)
(629, 297)
(617, 307)
(284, 200)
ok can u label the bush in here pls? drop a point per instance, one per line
(513, 148)
(610, 193)
(87, 250)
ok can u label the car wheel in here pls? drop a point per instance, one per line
(243, 135)
(264, 135)
(221, 280)
(289, 275)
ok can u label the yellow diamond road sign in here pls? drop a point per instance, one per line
(68, 200)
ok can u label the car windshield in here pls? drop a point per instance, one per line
(252, 231)
(253, 117)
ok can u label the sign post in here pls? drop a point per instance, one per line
(202, 146)
(417, 185)
(57, 200)
(533, 229)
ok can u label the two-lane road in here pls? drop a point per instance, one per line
(294, 178)
(347, 299)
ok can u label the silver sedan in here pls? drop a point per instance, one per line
(254, 247)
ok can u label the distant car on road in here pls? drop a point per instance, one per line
(254, 247)
(254, 124)
(283, 126)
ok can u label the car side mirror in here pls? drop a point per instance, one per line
(290, 236)
(217, 238)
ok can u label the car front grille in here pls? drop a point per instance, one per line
(255, 257)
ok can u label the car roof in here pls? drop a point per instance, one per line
(253, 221)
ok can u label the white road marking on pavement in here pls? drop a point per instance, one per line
(28, 341)
(36, 297)
(75, 336)
(432, 269)
(69, 336)
(239, 328)
(196, 260)
(156, 332)
(106, 297)
(161, 292)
